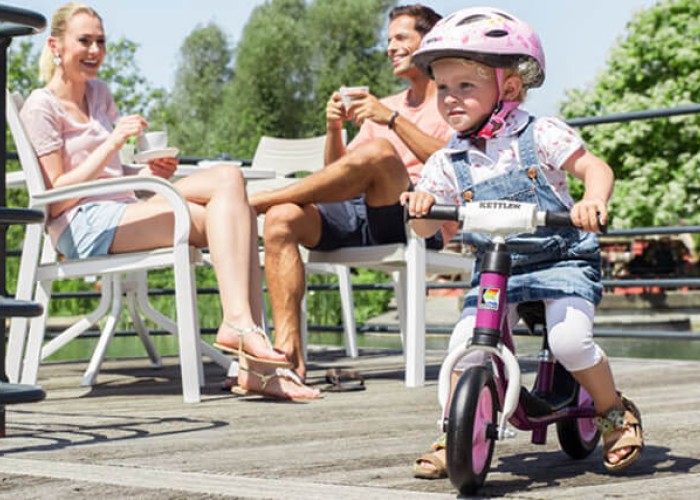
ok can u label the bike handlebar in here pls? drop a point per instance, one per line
(502, 217)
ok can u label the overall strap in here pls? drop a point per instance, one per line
(460, 164)
(527, 147)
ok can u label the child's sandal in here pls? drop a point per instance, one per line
(438, 469)
(622, 420)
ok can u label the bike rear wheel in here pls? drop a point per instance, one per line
(578, 437)
(472, 420)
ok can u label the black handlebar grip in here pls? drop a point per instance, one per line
(438, 212)
(563, 219)
(557, 219)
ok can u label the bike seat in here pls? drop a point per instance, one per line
(532, 314)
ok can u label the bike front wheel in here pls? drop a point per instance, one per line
(472, 421)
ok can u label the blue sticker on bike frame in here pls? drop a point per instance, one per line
(490, 298)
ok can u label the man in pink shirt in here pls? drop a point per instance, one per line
(354, 200)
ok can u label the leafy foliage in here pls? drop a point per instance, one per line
(196, 112)
(656, 162)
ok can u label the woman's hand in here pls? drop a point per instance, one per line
(586, 213)
(127, 126)
(162, 167)
(418, 202)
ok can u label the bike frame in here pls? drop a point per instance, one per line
(492, 334)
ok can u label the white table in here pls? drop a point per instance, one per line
(16, 179)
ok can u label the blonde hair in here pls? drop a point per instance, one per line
(59, 22)
(486, 72)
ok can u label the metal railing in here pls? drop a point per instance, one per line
(662, 283)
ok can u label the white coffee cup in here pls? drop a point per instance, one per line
(345, 91)
(149, 141)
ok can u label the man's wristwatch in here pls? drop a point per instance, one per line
(392, 120)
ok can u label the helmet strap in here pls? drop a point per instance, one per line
(495, 122)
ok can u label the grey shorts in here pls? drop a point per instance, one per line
(353, 224)
(91, 231)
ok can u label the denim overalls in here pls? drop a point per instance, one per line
(549, 264)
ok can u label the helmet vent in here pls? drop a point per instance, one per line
(510, 18)
(472, 19)
(497, 33)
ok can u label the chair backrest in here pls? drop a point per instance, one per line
(25, 150)
(287, 157)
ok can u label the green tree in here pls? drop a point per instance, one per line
(273, 86)
(656, 162)
(349, 49)
(293, 55)
(196, 114)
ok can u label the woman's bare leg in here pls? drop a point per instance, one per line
(221, 220)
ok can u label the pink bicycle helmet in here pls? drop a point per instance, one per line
(491, 37)
(486, 35)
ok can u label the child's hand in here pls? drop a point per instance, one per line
(418, 202)
(586, 213)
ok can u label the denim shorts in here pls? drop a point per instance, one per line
(91, 231)
(353, 224)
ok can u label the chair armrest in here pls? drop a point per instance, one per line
(108, 186)
(131, 170)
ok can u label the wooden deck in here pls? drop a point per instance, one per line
(131, 436)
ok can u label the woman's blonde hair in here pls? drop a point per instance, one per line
(59, 22)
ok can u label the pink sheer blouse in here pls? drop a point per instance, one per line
(51, 129)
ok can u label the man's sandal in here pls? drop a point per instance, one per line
(438, 469)
(622, 420)
(240, 351)
(266, 378)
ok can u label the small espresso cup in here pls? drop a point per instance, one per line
(152, 141)
(345, 91)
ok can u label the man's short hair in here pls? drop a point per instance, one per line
(425, 17)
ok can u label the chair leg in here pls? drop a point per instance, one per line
(415, 314)
(191, 368)
(37, 328)
(133, 283)
(400, 286)
(142, 331)
(169, 325)
(82, 325)
(348, 309)
(25, 287)
(304, 329)
(106, 335)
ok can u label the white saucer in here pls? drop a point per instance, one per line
(154, 154)
(211, 163)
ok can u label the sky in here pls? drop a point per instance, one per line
(577, 34)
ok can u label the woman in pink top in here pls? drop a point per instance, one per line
(70, 123)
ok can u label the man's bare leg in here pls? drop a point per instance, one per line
(374, 169)
(286, 227)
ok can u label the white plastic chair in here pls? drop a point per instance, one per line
(287, 158)
(407, 263)
(123, 275)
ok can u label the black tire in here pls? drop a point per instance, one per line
(578, 437)
(473, 413)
